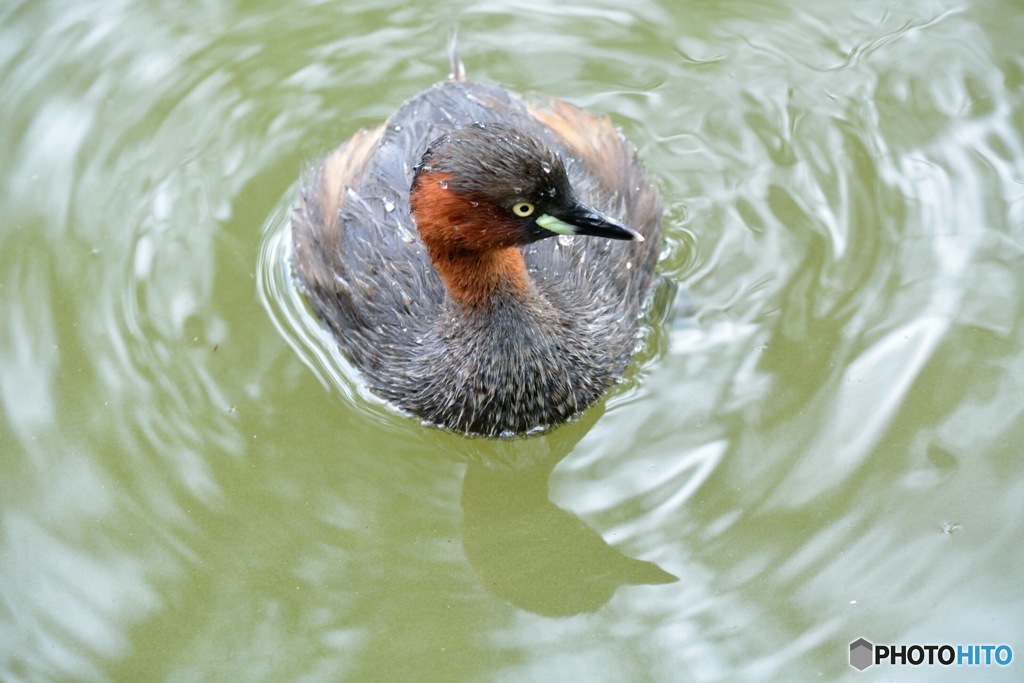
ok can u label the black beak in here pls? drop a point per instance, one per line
(581, 219)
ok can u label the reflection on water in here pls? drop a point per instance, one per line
(821, 440)
(533, 553)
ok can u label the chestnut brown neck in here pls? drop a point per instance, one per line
(473, 278)
(471, 244)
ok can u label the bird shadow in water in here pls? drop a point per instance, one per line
(531, 552)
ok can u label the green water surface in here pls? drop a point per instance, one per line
(821, 439)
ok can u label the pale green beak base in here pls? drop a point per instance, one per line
(549, 222)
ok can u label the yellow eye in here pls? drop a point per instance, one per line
(523, 209)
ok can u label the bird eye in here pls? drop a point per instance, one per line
(522, 209)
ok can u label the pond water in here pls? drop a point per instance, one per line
(821, 439)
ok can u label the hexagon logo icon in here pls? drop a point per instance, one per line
(861, 654)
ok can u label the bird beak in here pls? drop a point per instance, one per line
(581, 219)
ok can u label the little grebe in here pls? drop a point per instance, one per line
(419, 245)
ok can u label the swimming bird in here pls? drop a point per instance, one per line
(481, 258)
